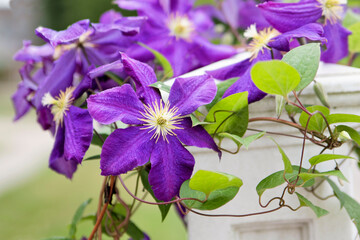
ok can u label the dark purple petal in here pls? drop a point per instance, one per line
(71, 34)
(249, 14)
(231, 71)
(187, 94)
(311, 31)
(289, 16)
(84, 85)
(20, 102)
(171, 165)
(60, 77)
(116, 66)
(124, 150)
(57, 161)
(195, 136)
(45, 118)
(78, 133)
(143, 76)
(116, 104)
(179, 6)
(207, 53)
(337, 45)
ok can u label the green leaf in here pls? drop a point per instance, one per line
(168, 71)
(317, 122)
(351, 205)
(321, 94)
(325, 157)
(305, 59)
(350, 18)
(207, 181)
(196, 122)
(308, 176)
(164, 208)
(97, 141)
(221, 88)
(342, 117)
(243, 141)
(280, 104)
(57, 238)
(115, 77)
(229, 115)
(275, 77)
(77, 217)
(287, 164)
(276, 179)
(215, 200)
(354, 38)
(352, 132)
(95, 157)
(305, 202)
(161, 86)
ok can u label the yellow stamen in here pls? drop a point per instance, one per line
(161, 119)
(60, 104)
(259, 39)
(332, 9)
(180, 26)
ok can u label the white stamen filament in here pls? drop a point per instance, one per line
(180, 26)
(161, 119)
(332, 9)
(259, 39)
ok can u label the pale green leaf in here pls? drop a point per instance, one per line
(241, 140)
(325, 157)
(317, 122)
(305, 202)
(342, 117)
(308, 176)
(352, 132)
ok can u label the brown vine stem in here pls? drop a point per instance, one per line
(100, 204)
(100, 217)
(159, 203)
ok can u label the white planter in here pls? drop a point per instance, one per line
(261, 159)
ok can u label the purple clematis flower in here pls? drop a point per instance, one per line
(263, 42)
(158, 129)
(73, 129)
(176, 30)
(289, 16)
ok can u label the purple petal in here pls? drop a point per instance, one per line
(171, 165)
(311, 31)
(195, 136)
(187, 94)
(207, 53)
(60, 77)
(337, 45)
(249, 14)
(143, 76)
(57, 161)
(231, 71)
(71, 34)
(84, 85)
(78, 133)
(116, 66)
(33, 53)
(124, 150)
(116, 104)
(45, 118)
(129, 26)
(20, 102)
(289, 16)
(110, 17)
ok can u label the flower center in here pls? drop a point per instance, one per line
(161, 120)
(332, 9)
(259, 39)
(180, 26)
(60, 104)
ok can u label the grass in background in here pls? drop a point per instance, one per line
(44, 207)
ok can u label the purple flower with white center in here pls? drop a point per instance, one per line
(178, 31)
(158, 129)
(73, 130)
(289, 16)
(260, 47)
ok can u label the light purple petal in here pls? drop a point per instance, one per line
(143, 76)
(110, 17)
(289, 16)
(33, 53)
(195, 136)
(187, 94)
(337, 45)
(20, 102)
(116, 104)
(78, 133)
(171, 165)
(57, 161)
(60, 77)
(311, 31)
(116, 66)
(124, 150)
(231, 71)
(129, 26)
(249, 14)
(71, 34)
